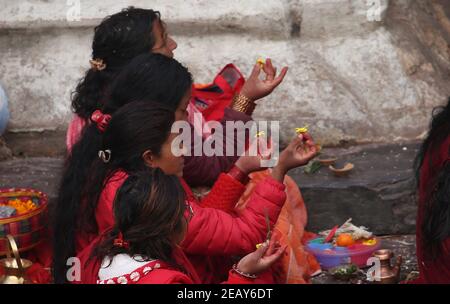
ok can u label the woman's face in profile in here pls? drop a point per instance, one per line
(164, 44)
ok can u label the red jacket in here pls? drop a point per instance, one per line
(210, 232)
(216, 232)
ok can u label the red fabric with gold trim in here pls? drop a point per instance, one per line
(212, 99)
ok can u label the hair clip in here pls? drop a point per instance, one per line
(97, 64)
(119, 242)
(105, 155)
(101, 120)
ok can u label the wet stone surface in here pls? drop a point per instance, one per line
(379, 193)
(36, 144)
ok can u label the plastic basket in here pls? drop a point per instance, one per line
(27, 229)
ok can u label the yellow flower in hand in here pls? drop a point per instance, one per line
(302, 130)
(261, 62)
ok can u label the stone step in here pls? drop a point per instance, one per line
(378, 193)
(273, 17)
(36, 144)
(232, 15)
(351, 77)
(40, 173)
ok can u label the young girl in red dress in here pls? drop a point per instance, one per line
(151, 220)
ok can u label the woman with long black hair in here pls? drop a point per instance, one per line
(433, 219)
(135, 31)
(137, 137)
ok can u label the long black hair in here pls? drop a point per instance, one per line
(436, 222)
(133, 129)
(149, 213)
(162, 81)
(161, 78)
(117, 40)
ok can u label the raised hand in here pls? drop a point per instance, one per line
(298, 153)
(255, 88)
(261, 259)
(251, 163)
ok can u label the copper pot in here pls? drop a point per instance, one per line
(14, 267)
(388, 274)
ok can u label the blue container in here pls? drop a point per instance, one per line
(330, 256)
(4, 111)
(317, 246)
(327, 255)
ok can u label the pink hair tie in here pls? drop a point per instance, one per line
(100, 119)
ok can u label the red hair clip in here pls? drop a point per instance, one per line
(100, 119)
(119, 242)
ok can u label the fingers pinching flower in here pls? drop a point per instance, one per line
(302, 130)
(262, 258)
(261, 148)
(256, 88)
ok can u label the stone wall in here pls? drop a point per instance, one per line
(356, 73)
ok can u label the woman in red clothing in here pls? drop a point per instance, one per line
(151, 219)
(123, 36)
(132, 32)
(79, 181)
(433, 218)
(132, 142)
(172, 91)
